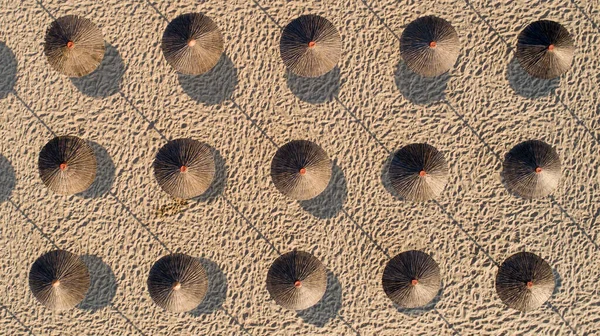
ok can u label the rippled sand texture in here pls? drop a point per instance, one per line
(359, 113)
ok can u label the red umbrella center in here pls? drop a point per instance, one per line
(298, 284)
(422, 173)
(63, 166)
(529, 284)
(551, 47)
(55, 283)
(191, 42)
(176, 285)
(538, 170)
(312, 44)
(183, 169)
(414, 282)
(432, 44)
(302, 171)
(70, 44)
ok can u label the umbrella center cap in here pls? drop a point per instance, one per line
(183, 169)
(422, 173)
(551, 47)
(302, 171)
(70, 44)
(55, 283)
(414, 282)
(529, 284)
(176, 285)
(63, 166)
(312, 44)
(432, 44)
(538, 170)
(192, 42)
(298, 284)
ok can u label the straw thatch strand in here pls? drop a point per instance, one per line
(524, 281)
(429, 46)
(310, 46)
(297, 280)
(184, 168)
(59, 280)
(67, 165)
(177, 283)
(531, 169)
(192, 44)
(301, 169)
(418, 172)
(74, 46)
(411, 279)
(545, 49)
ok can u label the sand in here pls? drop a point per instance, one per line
(359, 113)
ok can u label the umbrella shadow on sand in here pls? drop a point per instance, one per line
(418, 89)
(385, 178)
(103, 284)
(106, 80)
(217, 289)
(315, 90)
(8, 179)
(213, 87)
(8, 70)
(105, 175)
(329, 305)
(329, 203)
(525, 85)
(219, 181)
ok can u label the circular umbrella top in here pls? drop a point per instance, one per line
(531, 169)
(177, 283)
(59, 280)
(545, 49)
(192, 44)
(524, 281)
(184, 168)
(411, 279)
(429, 45)
(67, 165)
(310, 46)
(418, 172)
(297, 280)
(74, 46)
(301, 169)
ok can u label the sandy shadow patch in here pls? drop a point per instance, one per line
(8, 70)
(105, 174)
(217, 289)
(213, 87)
(316, 90)
(525, 85)
(8, 179)
(418, 89)
(329, 305)
(103, 284)
(106, 80)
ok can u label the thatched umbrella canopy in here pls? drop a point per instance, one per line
(59, 280)
(418, 172)
(429, 46)
(301, 169)
(545, 49)
(524, 281)
(297, 280)
(192, 44)
(74, 46)
(184, 168)
(310, 46)
(177, 283)
(411, 279)
(67, 165)
(531, 169)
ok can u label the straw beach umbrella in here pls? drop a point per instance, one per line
(310, 46)
(67, 165)
(524, 281)
(192, 44)
(301, 169)
(411, 279)
(531, 169)
(418, 172)
(59, 280)
(545, 49)
(184, 168)
(74, 46)
(429, 46)
(297, 280)
(177, 283)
